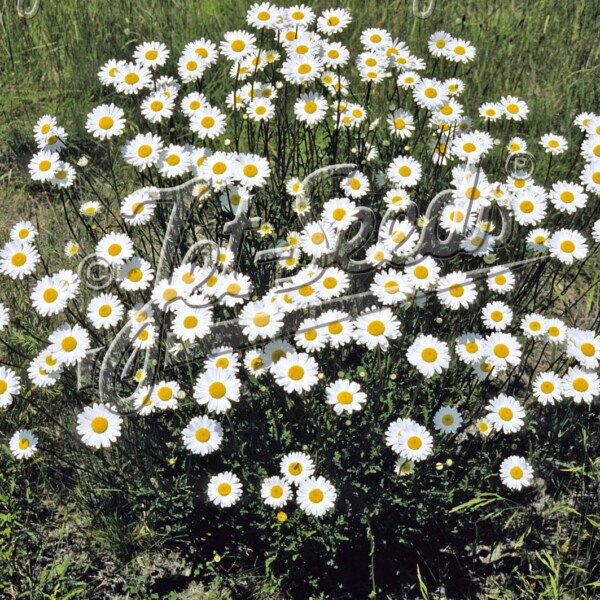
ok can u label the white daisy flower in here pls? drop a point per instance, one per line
(345, 396)
(202, 435)
(224, 489)
(99, 425)
(316, 496)
(447, 419)
(217, 389)
(505, 414)
(23, 444)
(296, 372)
(428, 355)
(516, 473)
(296, 467)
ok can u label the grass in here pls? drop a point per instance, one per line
(546, 52)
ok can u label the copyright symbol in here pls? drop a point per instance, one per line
(95, 272)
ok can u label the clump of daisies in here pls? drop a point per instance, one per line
(299, 98)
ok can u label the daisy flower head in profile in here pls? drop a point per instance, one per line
(225, 489)
(23, 444)
(4, 317)
(516, 473)
(316, 496)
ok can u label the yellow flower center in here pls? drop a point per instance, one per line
(296, 372)
(567, 246)
(250, 170)
(414, 442)
(224, 489)
(344, 398)
(447, 420)
(376, 327)
(207, 122)
(134, 275)
(144, 151)
(471, 347)
(295, 468)
(99, 424)
(69, 343)
(547, 387)
(335, 328)
(105, 310)
(516, 472)
(505, 413)
(50, 295)
(457, 290)
(217, 389)
(190, 322)
(105, 122)
(202, 435)
(501, 350)
(261, 319)
(429, 355)
(316, 496)
(131, 78)
(567, 197)
(588, 349)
